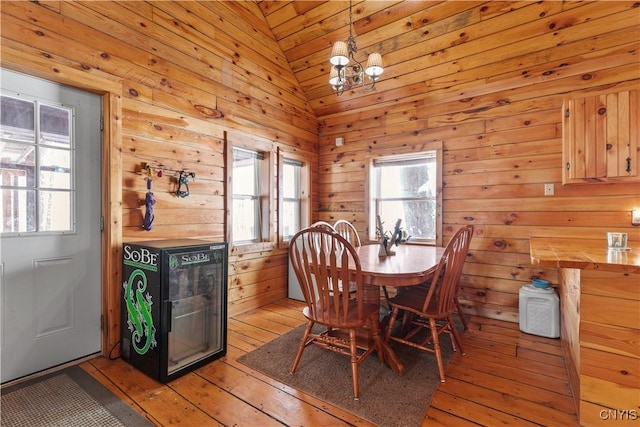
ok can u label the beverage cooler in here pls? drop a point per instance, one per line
(174, 307)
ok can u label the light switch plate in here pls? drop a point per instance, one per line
(548, 189)
(635, 217)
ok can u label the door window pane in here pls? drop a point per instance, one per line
(36, 175)
(18, 211)
(55, 168)
(55, 210)
(55, 126)
(17, 119)
(18, 164)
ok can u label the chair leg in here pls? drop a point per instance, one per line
(376, 334)
(354, 362)
(301, 347)
(456, 335)
(392, 320)
(436, 347)
(386, 297)
(461, 314)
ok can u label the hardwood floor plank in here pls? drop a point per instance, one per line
(507, 377)
(166, 406)
(467, 409)
(278, 404)
(242, 341)
(505, 370)
(498, 329)
(293, 309)
(222, 406)
(514, 387)
(479, 341)
(312, 400)
(268, 321)
(521, 364)
(549, 359)
(435, 417)
(243, 328)
(508, 403)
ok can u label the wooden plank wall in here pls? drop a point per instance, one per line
(188, 75)
(180, 66)
(500, 122)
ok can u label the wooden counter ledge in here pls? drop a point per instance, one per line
(583, 254)
(600, 317)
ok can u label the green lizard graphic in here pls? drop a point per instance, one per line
(139, 318)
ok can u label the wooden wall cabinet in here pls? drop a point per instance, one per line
(600, 138)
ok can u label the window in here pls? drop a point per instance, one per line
(293, 196)
(36, 167)
(246, 196)
(250, 180)
(408, 188)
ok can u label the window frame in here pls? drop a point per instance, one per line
(429, 149)
(304, 193)
(266, 182)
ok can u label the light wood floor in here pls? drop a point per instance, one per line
(506, 378)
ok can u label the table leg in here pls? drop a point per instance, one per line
(372, 295)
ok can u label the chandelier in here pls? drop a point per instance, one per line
(344, 76)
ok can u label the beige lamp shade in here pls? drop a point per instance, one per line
(339, 54)
(374, 65)
(334, 77)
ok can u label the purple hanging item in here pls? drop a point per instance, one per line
(149, 201)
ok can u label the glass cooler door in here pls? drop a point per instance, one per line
(195, 309)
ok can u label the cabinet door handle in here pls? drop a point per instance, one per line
(628, 164)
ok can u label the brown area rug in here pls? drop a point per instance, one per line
(386, 399)
(70, 398)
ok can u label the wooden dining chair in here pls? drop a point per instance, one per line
(434, 311)
(320, 258)
(348, 231)
(323, 224)
(420, 291)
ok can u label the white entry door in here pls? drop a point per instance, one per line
(50, 213)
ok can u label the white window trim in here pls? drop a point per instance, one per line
(427, 148)
(267, 183)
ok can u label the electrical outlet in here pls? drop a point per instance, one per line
(635, 217)
(548, 189)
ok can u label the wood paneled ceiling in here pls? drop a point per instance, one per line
(412, 36)
(449, 50)
(306, 31)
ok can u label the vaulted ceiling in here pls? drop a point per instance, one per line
(436, 51)
(412, 36)
(307, 30)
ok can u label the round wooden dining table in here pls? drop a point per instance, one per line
(410, 265)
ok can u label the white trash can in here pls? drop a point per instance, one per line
(539, 311)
